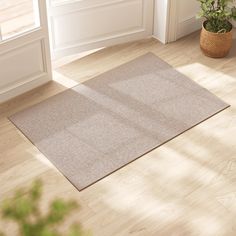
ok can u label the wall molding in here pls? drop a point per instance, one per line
(173, 18)
(188, 26)
(27, 81)
(109, 41)
(20, 88)
(82, 6)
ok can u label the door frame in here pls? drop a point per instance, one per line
(161, 20)
(173, 17)
(165, 20)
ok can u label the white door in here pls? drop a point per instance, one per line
(80, 25)
(24, 47)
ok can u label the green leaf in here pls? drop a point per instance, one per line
(59, 209)
(218, 14)
(48, 232)
(24, 210)
(36, 190)
(76, 230)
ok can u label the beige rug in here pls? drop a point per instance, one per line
(97, 127)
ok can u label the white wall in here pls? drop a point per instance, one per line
(174, 19)
(234, 22)
(187, 22)
(182, 18)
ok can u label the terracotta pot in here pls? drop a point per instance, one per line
(215, 45)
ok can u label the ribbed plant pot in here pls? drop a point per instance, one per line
(216, 45)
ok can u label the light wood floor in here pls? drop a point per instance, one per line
(186, 187)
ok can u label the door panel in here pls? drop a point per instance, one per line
(19, 59)
(17, 16)
(25, 61)
(83, 25)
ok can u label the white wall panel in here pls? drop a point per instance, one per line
(21, 65)
(97, 23)
(187, 21)
(187, 9)
(82, 25)
(25, 61)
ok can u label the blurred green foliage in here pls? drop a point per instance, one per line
(217, 13)
(24, 210)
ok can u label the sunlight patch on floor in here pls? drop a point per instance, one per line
(41, 158)
(208, 225)
(63, 80)
(206, 75)
(138, 203)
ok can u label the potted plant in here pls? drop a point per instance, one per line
(216, 35)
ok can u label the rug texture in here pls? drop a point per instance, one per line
(99, 126)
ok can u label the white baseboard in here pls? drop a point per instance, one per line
(191, 25)
(11, 92)
(188, 26)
